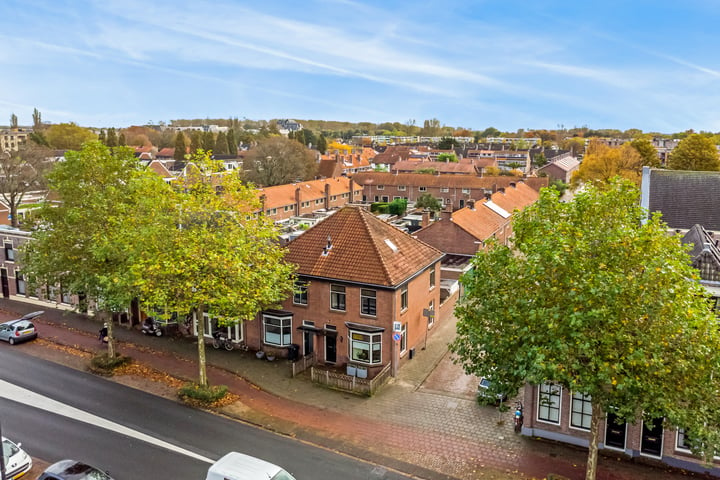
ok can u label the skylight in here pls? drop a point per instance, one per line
(497, 209)
(390, 244)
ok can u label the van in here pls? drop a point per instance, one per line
(238, 466)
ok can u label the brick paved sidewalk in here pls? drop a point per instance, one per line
(423, 433)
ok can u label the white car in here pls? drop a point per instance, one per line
(17, 462)
(238, 466)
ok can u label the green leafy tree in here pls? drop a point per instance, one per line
(647, 151)
(208, 141)
(180, 148)
(540, 160)
(447, 157)
(426, 200)
(447, 143)
(37, 119)
(232, 142)
(490, 132)
(322, 144)
(68, 136)
(278, 160)
(83, 242)
(122, 142)
(221, 144)
(196, 140)
(601, 301)
(111, 140)
(695, 152)
(21, 172)
(13, 121)
(602, 163)
(398, 206)
(206, 252)
(102, 138)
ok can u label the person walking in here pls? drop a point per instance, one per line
(103, 334)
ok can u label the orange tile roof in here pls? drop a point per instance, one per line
(517, 197)
(159, 168)
(281, 195)
(453, 167)
(361, 250)
(451, 181)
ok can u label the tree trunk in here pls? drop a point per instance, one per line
(111, 338)
(201, 346)
(14, 215)
(597, 416)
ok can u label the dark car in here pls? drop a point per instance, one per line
(16, 331)
(73, 470)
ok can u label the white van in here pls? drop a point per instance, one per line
(237, 466)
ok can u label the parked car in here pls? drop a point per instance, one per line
(73, 470)
(238, 466)
(484, 394)
(17, 462)
(19, 330)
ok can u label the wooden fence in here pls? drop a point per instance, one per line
(302, 364)
(349, 383)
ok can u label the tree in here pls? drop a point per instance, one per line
(180, 148)
(490, 132)
(447, 143)
(426, 200)
(431, 128)
(322, 144)
(122, 142)
(111, 140)
(232, 142)
(695, 152)
(208, 141)
(602, 302)
(398, 207)
(602, 163)
(278, 160)
(221, 144)
(447, 157)
(13, 121)
(647, 151)
(84, 241)
(68, 136)
(207, 253)
(21, 172)
(37, 119)
(102, 138)
(196, 140)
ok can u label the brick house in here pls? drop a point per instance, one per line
(453, 190)
(358, 278)
(561, 169)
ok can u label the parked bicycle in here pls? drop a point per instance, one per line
(221, 340)
(518, 419)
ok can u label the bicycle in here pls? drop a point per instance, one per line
(518, 417)
(221, 340)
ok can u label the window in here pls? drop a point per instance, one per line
(448, 201)
(66, 297)
(683, 440)
(368, 302)
(337, 297)
(581, 411)
(444, 189)
(287, 208)
(404, 299)
(381, 187)
(422, 189)
(403, 338)
(20, 283)
(397, 198)
(402, 188)
(432, 279)
(318, 201)
(300, 297)
(9, 252)
(277, 329)
(366, 347)
(549, 403)
(431, 319)
(271, 211)
(465, 190)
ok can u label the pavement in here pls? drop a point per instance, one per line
(425, 422)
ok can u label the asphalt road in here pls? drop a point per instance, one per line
(58, 412)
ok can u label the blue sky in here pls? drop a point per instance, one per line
(509, 64)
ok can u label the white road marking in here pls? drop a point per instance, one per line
(27, 397)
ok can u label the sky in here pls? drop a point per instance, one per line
(509, 64)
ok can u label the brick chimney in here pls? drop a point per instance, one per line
(446, 213)
(425, 218)
(298, 203)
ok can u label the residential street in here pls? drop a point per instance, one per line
(424, 423)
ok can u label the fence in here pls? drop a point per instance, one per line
(302, 364)
(349, 383)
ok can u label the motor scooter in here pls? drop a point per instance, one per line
(151, 327)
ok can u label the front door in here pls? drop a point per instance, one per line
(652, 435)
(615, 432)
(308, 342)
(330, 349)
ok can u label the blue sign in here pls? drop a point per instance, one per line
(396, 337)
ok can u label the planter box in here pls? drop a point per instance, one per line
(351, 370)
(362, 372)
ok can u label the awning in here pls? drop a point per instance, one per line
(361, 327)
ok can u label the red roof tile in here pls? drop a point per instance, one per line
(364, 250)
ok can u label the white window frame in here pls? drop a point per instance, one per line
(283, 323)
(549, 403)
(371, 343)
(433, 280)
(381, 187)
(431, 320)
(444, 189)
(335, 295)
(422, 189)
(402, 188)
(465, 190)
(300, 293)
(403, 339)
(404, 299)
(20, 283)
(9, 252)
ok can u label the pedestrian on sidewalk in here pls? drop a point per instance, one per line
(103, 334)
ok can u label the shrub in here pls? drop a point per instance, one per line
(104, 365)
(202, 395)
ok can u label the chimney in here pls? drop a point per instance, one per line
(501, 189)
(512, 184)
(298, 204)
(446, 213)
(327, 196)
(471, 204)
(488, 195)
(425, 218)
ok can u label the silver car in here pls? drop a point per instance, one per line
(17, 462)
(19, 330)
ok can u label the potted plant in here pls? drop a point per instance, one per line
(260, 354)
